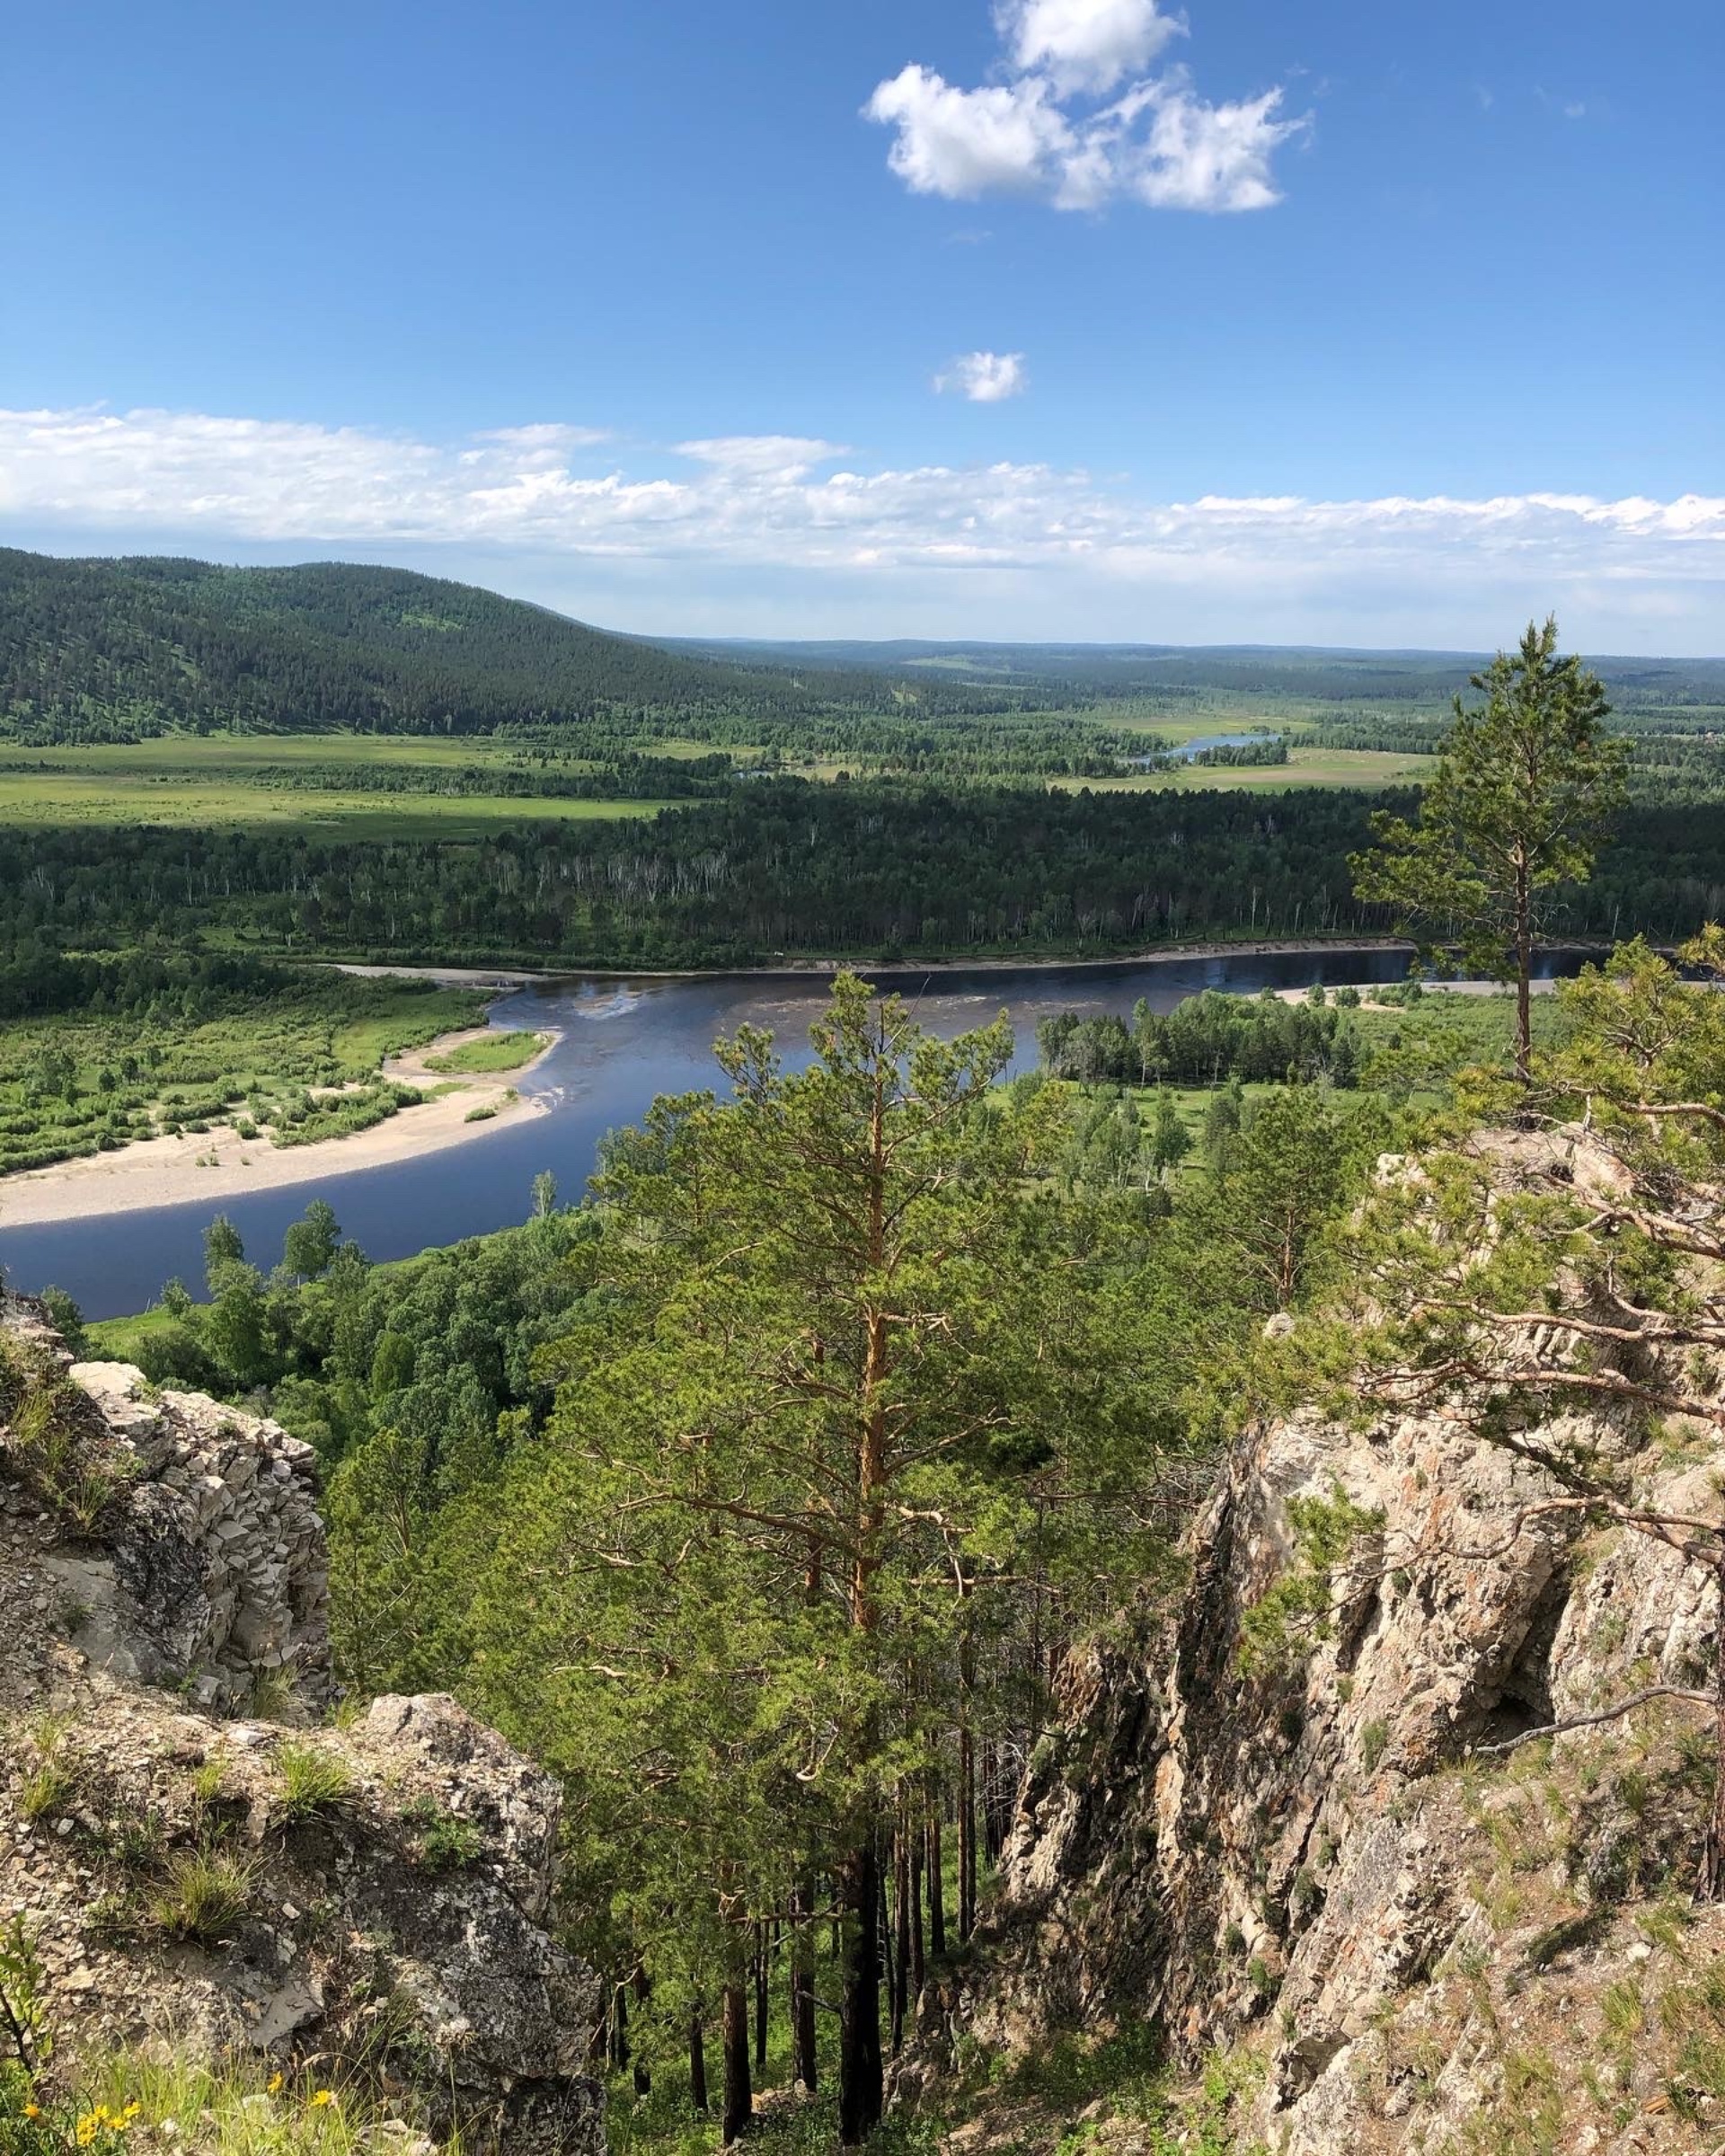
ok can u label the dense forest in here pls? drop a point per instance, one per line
(764, 1495)
(785, 868)
(1405, 680)
(771, 1687)
(102, 650)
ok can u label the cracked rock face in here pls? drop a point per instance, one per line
(1290, 1859)
(396, 1925)
(223, 1569)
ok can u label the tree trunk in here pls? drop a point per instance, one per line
(901, 1868)
(914, 1866)
(802, 1988)
(993, 1836)
(967, 1836)
(1713, 1862)
(619, 2028)
(889, 1975)
(697, 2062)
(966, 1787)
(760, 1998)
(739, 2097)
(936, 1884)
(643, 2075)
(1523, 977)
(861, 2090)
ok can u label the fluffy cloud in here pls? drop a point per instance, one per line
(1086, 45)
(1044, 133)
(1050, 548)
(1010, 139)
(986, 377)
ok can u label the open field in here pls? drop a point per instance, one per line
(1365, 767)
(295, 781)
(392, 786)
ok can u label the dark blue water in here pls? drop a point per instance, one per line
(622, 1042)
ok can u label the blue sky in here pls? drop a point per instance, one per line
(1322, 321)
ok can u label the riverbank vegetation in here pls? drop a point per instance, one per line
(99, 1054)
(789, 869)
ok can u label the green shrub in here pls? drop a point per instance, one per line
(442, 1841)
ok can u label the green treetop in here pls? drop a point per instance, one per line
(1527, 783)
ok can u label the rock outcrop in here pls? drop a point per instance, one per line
(198, 1866)
(1404, 1940)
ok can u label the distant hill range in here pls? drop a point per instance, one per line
(145, 643)
(112, 649)
(1336, 676)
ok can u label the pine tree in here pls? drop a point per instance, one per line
(1525, 785)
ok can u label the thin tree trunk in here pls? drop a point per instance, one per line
(643, 2076)
(888, 1969)
(1712, 1863)
(760, 1998)
(861, 2079)
(802, 1988)
(901, 1869)
(739, 2097)
(1523, 977)
(914, 1866)
(936, 1883)
(966, 1779)
(993, 1832)
(697, 2061)
(619, 2028)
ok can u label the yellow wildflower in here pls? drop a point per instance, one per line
(273, 2085)
(32, 2111)
(321, 2097)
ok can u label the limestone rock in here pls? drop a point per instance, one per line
(396, 1929)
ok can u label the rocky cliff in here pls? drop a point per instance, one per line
(1306, 1860)
(203, 1861)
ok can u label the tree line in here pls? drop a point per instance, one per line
(782, 868)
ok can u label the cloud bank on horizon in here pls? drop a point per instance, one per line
(978, 542)
(1079, 123)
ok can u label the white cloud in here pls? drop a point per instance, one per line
(1199, 156)
(546, 435)
(965, 143)
(986, 377)
(1088, 45)
(788, 454)
(1047, 547)
(1043, 132)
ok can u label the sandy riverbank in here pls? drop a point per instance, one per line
(219, 1164)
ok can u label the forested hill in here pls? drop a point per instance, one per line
(95, 648)
(1403, 681)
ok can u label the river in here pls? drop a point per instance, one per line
(623, 1041)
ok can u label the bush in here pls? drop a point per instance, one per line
(441, 1841)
